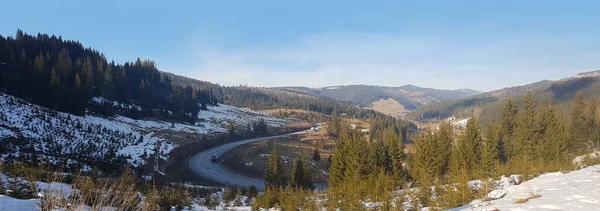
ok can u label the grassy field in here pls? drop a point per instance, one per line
(251, 159)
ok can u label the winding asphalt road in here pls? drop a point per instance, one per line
(202, 164)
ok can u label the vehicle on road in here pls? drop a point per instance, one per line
(214, 158)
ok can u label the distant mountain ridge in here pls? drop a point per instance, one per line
(409, 97)
(486, 105)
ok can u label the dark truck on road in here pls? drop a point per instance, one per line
(214, 159)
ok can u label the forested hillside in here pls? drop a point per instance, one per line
(487, 105)
(450, 166)
(272, 98)
(65, 76)
(410, 96)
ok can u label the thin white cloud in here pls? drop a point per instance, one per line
(335, 58)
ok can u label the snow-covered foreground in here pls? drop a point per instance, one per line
(57, 137)
(576, 190)
(54, 189)
(9, 204)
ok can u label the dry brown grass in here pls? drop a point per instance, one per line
(95, 194)
(525, 200)
(389, 106)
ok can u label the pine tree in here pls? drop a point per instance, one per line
(316, 155)
(40, 63)
(469, 146)
(508, 121)
(78, 82)
(552, 147)
(297, 180)
(526, 140)
(376, 157)
(356, 162)
(335, 123)
(489, 152)
(443, 145)
(55, 77)
(308, 183)
(88, 75)
(275, 177)
(301, 176)
(578, 138)
(338, 164)
(592, 122)
(64, 66)
(107, 88)
(423, 168)
(394, 153)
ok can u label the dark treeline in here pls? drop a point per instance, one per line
(65, 76)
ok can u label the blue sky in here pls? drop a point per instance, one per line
(483, 45)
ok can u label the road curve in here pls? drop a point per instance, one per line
(202, 164)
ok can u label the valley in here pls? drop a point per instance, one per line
(252, 159)
(80, 131)
(395, 101)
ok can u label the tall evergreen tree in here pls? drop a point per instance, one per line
(423, 168)
(335, 123)
(301, 177)
(394, 154)
(316, 155)
(469, 145)
(338, 161)
(40, 63)
(526, 129)
(489, 152)
(443, 147)
(107, 88)
(508, 121)
(356, 154)
(88, 75)
(591, 113)
(64, 65)
(378, 157)
(552, 148)
(578, 133)
(275, 176)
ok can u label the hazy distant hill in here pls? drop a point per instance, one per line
(488, 104)
(399, 99)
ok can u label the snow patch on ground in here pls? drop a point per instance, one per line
(9, 203)
(216, 118)
(579, 160)
(461, 123)
(576, 190)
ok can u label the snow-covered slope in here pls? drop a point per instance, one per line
(36, 132)
(576, 190)
(217, 118)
